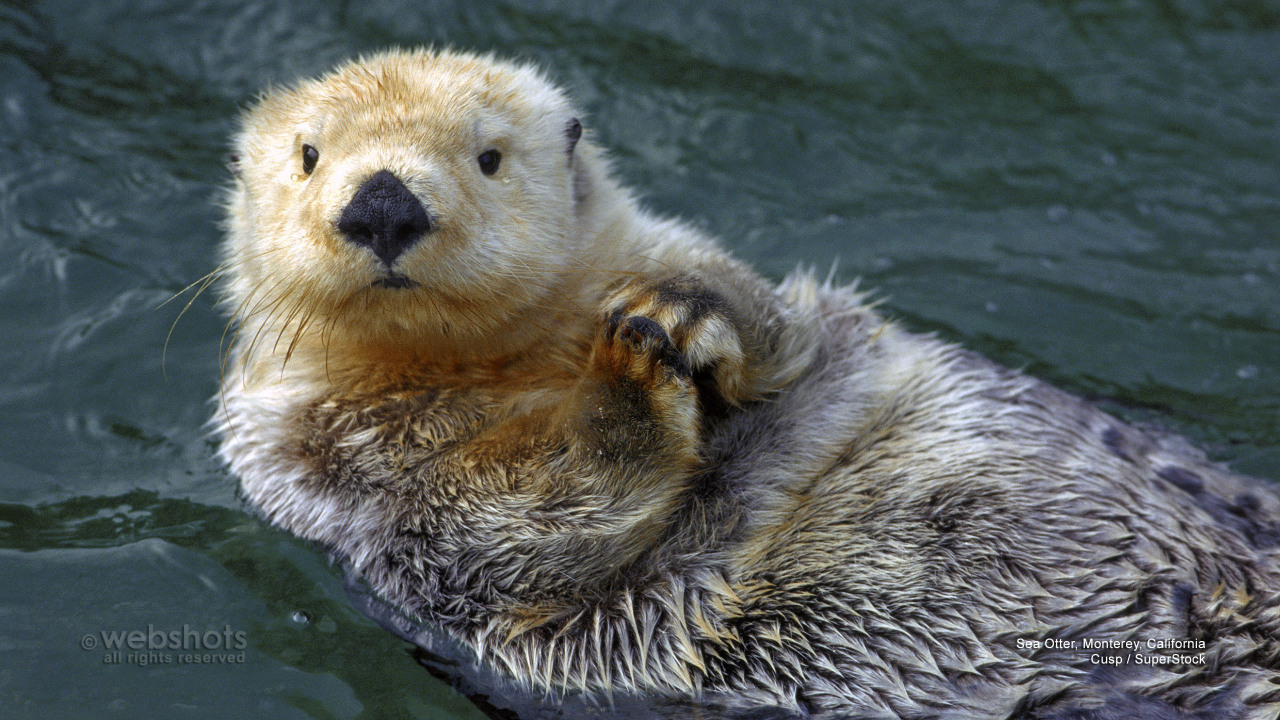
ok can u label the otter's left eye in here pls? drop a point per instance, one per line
(309, 157)
(489, 160)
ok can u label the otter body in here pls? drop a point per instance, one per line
(609, 457)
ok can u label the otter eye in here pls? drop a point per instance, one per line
(489, 160)
(309, 157)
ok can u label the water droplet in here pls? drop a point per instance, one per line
(300, 618)
(1248, 372)
(1057, 212)
(991, 306)
(1108, 159)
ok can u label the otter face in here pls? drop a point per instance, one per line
(407, 196)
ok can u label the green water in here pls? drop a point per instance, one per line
(1088, 190)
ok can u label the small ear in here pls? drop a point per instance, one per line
(233, 164)
(573, 131)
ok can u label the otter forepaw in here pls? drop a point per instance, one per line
(698, 323)
(639, 348)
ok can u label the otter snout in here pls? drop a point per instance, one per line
(385, 217)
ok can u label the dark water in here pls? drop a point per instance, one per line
(1089, 190)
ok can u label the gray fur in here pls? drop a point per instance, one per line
(877, 536)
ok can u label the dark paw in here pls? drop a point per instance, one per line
(647, 336)
(639, 347)
(695, 321)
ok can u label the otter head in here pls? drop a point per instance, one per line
(408, 198)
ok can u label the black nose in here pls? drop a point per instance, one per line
(384, 216)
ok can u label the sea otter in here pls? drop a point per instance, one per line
(593, 446)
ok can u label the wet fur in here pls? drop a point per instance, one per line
(609, 457)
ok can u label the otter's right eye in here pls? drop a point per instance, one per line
(309, 157)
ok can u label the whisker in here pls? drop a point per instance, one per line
(303, 324)
(271, 308)
(284, 324)
(206, 279)
(204, 282)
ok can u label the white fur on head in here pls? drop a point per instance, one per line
(499, 243)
